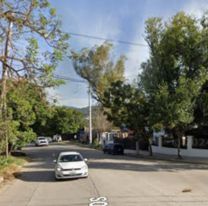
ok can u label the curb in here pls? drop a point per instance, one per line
(141, 156)
(154, 157)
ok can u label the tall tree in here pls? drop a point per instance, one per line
(175, 72)
(32, 42)
(96, 66)
(27, 105)
(127, 104)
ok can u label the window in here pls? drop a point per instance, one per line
(70, 158)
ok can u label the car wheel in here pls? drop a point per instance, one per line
(57, 179)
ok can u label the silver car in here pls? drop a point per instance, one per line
(70, 165)
(41, 141)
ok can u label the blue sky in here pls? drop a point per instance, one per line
(111, 19)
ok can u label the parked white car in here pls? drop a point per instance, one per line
(41, 141)
(70, 165)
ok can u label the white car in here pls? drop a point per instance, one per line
(70, 165)
(41, 141)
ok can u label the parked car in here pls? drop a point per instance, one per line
(41, 141)
(114, 148)
(70, 165)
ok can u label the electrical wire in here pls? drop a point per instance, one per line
(68, 78)
(112, 40)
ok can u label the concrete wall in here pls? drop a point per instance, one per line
(184, 152)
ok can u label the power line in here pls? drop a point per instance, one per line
(112, 40)
(68, 78)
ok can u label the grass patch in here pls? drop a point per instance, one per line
(10, 165)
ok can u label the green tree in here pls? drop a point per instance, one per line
(174, 74)
(32, 44)
(65, 121)
(127, 104)
(27, 106)
(96, 66)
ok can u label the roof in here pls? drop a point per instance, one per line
(69, 153)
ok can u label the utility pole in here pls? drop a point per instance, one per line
(90, 115)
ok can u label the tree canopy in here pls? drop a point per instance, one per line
(96, 66)
(176, 71)
(32, 44)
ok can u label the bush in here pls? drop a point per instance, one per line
(4, 162)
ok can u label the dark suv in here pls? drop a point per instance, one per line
(114, 148)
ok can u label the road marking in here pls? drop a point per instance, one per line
(98, 201)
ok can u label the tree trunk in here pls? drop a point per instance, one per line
(179, 147)
(150, 146)
(178, 134)
(3, 100)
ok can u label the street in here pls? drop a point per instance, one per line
(119, 180)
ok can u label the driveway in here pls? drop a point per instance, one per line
(113, 180)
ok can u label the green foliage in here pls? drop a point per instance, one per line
(38, 44)
(30, 115)
(6, 161)
(95, 65)
(174, 74)
(127, 105)
(37, 39)
(65, 120)
(28, 108)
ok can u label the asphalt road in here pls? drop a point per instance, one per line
(119, 180)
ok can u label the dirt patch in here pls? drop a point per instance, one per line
(7, 173)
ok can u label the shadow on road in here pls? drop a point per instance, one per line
(140, 167)
(42, 163)
(38, 176)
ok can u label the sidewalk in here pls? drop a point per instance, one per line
(165, 157)
(156, 156)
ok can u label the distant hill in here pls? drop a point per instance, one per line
(85, 110)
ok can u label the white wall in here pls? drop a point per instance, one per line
(184, 152)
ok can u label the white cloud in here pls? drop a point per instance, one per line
(53, 95)
(136, 55)
(68, 100)
(196, 8)
(92, 24)
(82, 22)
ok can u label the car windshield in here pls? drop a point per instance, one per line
(70, 158)
(41, 138)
